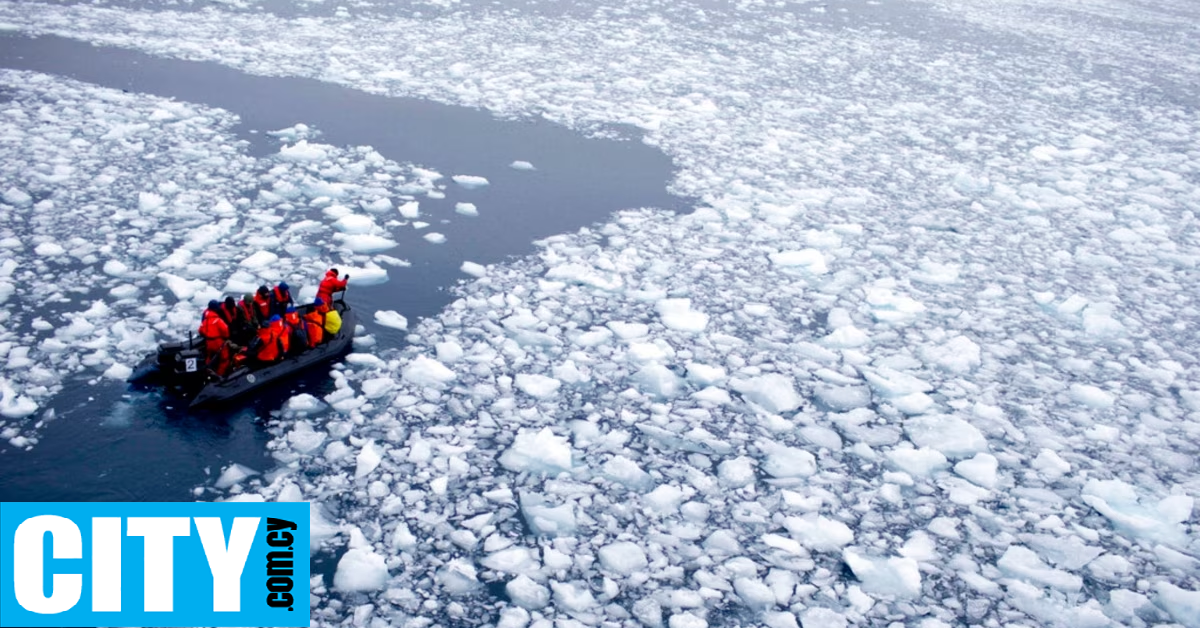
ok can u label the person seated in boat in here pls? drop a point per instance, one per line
(331, 284)
(215, 332)
(262, 304)
(281, 298)
(248, 314)
(314, 323)
(271, 345)
(229, 312)
(298, 336)
(333, 320)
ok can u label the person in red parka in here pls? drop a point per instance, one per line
(331, 284)
(314, 323)
(281, 298)
(271, 344)
(216, 339)
(262, 304)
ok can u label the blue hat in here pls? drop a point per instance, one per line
(291, 309)
(213, 304)
(319, 301)
(283, 285)
(275, 318)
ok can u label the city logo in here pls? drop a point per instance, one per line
(154, 564)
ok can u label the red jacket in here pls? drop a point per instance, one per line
(314, 324)
(284, 335)
(214, 331)
(329, 285)
(268, 345)
(262, 304)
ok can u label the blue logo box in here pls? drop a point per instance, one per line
(154, 564)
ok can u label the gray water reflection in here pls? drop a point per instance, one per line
(108, 444)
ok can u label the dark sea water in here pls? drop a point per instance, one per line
(107, 442)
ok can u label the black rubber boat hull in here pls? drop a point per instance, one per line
(236, 386)
(150, 370)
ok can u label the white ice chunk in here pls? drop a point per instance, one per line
(354, 224)
(118, 371)
(545, 520)
(677, 314)
(787, 462)
(773, 392)
(658, 380)
(302, 151)
(49, 249)
(391, 318)
(368, 459)
(981, 470)
(521, 165)
(259, 260)
(435, 238)
(1023, 562)
(819, 533)
(808, 260)
(736, 472)
(365, 243)
(918, 462)
(515, 560)
(526, 593)
(1182, 604)
(466, 209)
(457, 577)
(410, 210)
(1118, 501)
(895, 575)
(360, 569)
(538, 452)
(469, 181)
(948, 434)
(817, 617)
(538, 386)
(304, 439)
(624, 471)
(958, 355)
(233, 474)
(623, 557)
(423, 371)
(1091, 396)
(1051, 465)
(473, 269)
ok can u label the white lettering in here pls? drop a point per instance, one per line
(159, 533)
(106, 564)
(28, 570)
(225, 563)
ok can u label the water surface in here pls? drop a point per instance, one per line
(109, 443)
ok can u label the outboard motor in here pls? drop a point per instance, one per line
(186, 368)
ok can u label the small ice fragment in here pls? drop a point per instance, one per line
(391, 318)
(435, 238)
(538, 386)
(623, 557)
(410, 210)
(521, 165)
(360, 570)
(469, 181)
(260, 259)
(466, 209)
(424, 371)
(473, 269)
(539, 452)
(233, 474)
